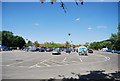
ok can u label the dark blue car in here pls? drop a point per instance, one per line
(90, 51)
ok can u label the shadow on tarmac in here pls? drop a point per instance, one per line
(92, 76)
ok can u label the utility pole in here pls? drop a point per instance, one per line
(69, 38)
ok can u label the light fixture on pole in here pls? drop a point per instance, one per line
(69, 38)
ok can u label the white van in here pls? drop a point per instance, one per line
(82, 50)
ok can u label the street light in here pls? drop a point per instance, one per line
(69, 38)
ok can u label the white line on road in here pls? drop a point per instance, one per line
(14, 63)
(46, 64)
(73, 61)
(106, 57)
(64, 59)
(21, 62)
(80, 59)
(36, 65)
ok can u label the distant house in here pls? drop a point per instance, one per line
(42, 45)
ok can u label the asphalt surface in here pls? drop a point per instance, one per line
(44, 65)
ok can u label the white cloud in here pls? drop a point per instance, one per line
(102, 27)
(36, 24)
(77, 19)
(89, 28)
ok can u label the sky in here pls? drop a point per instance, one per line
(93, 21)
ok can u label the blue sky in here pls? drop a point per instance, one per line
(93, 21)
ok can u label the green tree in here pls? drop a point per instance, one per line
(18, 41)
(9, 40)
(0, 37)
(86, 44)
(29, 43)
(95, 45)
(67, 44)
(118, 39)
(36, 43)
(52, 44)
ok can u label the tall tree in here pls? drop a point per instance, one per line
(86, 44)
(36, 43)
(118, 39)
(29, 43)
(18, 41)
(67, 44)
(8, 39)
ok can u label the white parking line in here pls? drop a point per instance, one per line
(14, 63)
(107, 58)
(21, 62)
(64, 59)
(80, 59)
(46, 64)
(36, 65)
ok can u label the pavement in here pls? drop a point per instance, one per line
(18, 64)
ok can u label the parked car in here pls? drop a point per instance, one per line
(119, 52)
(56, 52)
(14, 48)
(0, 49)
(68, 50)
(25, 49)
(41, 50)
(115, 51)
(90, 51)
(49, 49)
(7, 49)
(108, 50)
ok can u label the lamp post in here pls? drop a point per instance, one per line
(72, 43)
(69, 38)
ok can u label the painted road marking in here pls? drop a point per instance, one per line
(106, 58)
(36, 65)
(14, 63)
(64, 59)
(80, 59)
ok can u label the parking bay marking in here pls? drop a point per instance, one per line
(64, 59)
(106, 57)
(20, 62)
(36, 65)
(80, 59)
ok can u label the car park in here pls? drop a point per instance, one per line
(56, 52)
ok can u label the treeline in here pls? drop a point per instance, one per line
(113, 43)
(52, 44)
(49, 44)
(10, 40)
